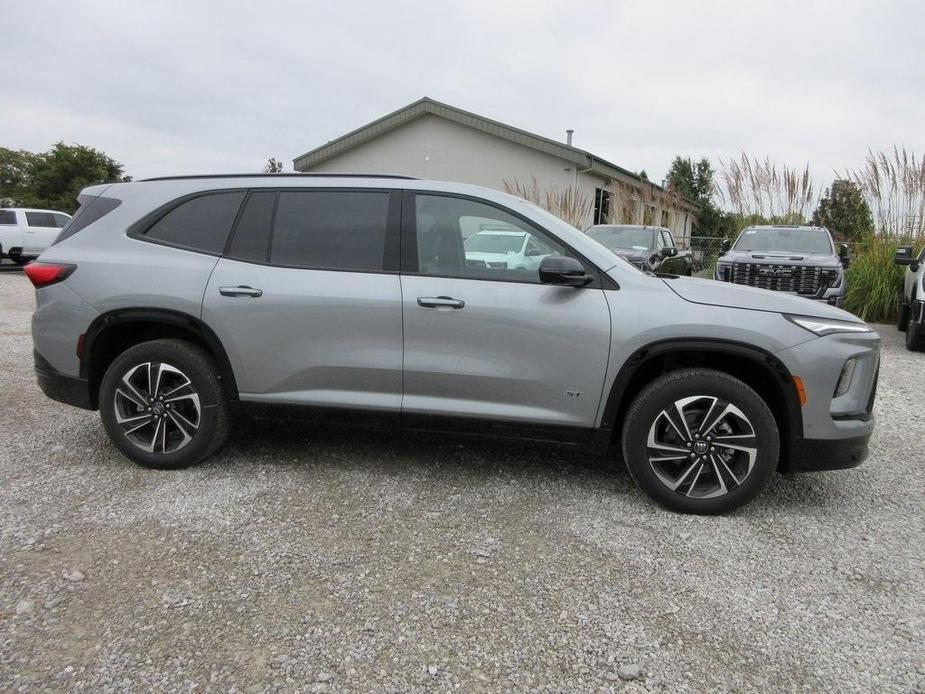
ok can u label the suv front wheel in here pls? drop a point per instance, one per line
(162, 404)
(700, 441)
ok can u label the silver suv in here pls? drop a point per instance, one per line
(170, 304)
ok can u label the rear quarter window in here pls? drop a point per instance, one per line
(199, 224)
(7, 217)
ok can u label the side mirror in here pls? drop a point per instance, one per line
(726, 245)
(904, 256)
(669, 252)
(564, 271)
(843, 255)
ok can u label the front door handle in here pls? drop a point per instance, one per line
(240, 290)
(437, 301)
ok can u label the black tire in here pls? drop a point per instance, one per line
(915, 336)
(646, 413)
(195, 365)
(902, 314)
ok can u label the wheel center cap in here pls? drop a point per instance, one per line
(158, 408)
(701, 447)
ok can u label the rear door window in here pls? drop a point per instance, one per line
(40, 219)
(201, 223)
(7, 217)
(330, 230)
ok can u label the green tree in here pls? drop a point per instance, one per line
(54, 178)
(14, 175)
(843, 211)
(694, 181)
(58, 175)
(273, 165)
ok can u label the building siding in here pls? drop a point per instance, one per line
(437, 148)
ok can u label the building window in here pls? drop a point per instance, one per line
(601, 206)
(666, 219)
(648, 215)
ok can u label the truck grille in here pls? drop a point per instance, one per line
(781, 278)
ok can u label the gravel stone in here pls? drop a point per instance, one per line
(630, 672)
(24, 608)
(356, 554)
(74, 576)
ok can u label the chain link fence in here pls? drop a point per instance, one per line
(704, 251)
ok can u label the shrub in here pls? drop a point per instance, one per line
(874, 282)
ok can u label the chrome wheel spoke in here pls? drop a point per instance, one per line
(694, 483)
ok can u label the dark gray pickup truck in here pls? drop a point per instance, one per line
(799, 260)
(651, 249)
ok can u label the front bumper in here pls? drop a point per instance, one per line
(57, 386)
(816, 455)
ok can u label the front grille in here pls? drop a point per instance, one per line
(781, 278)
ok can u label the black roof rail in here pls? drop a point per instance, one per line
(277, 175)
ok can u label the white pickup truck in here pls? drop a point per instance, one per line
(25, 233)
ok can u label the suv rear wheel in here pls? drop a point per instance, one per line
(915, 336)
(162, 404)
(700, 441)
(902, 314)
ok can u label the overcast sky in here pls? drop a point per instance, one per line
(190, 87)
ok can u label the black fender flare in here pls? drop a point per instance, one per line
(157, 316)
(763, 359)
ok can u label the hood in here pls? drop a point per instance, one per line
(793, 258)
(712, 293)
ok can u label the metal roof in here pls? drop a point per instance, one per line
(426, 105)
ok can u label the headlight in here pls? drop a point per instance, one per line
(723, 270)
(821, 326)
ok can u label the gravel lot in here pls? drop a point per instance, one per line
(331, 560)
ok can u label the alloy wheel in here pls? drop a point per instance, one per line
(702, 447)
(157, 407)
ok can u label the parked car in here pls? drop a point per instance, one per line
(796, 259)
(514, 250)
(912, 297)
(24, 233)
(651, 249)
(156, 303)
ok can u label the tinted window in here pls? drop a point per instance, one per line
(91, 209)
(40, 219)
(7, 217)
(201, 223)
(464, 238)
(253, 231)
(783, 239)
(60, 219)
(337, 230)
(625, 238)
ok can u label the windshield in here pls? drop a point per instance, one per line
(794, 240)
(483, 242)
(624, 238)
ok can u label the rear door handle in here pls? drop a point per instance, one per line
(437, 301)
(241, 290)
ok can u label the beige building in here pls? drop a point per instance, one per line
(428, 139)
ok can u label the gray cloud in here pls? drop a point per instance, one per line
(182, 87)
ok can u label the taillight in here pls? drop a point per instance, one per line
(43, 274)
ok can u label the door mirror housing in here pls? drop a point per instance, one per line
(669, 252)
(726, 245)
(904, 256)
(843, 255)
(564, 271)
